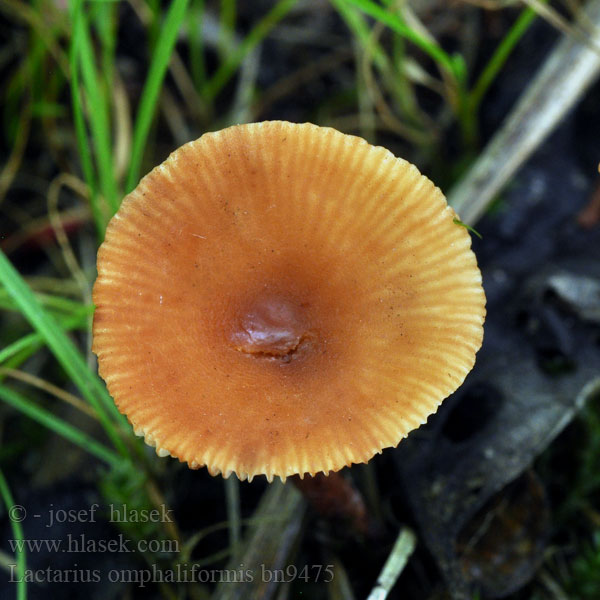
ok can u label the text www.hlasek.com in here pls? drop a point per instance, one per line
(81, 544)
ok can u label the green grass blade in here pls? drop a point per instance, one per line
(85, 154)
(500, 56)
(150, 95)
(197, 62)
(355, 22)
(155, 24)
(472, 101)
(95, 95)
(58, 304)
(55, 304)
(32, 342)
(106, 25)
(256, 35)
(63, 349)
(27, 342)
(60, 426)
(17, 531)
(394, 77)
(396, 24)
(226, 26)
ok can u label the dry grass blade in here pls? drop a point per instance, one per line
(11, 167)
(266, 546)
(401, 552)
(382, 107)
(60, 181)
(579, 30)
(49, 388)
(29, 15)
(289, 84)
(569, 70)
(122, 127)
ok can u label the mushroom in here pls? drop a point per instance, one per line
(280, 298)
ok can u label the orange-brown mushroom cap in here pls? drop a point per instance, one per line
(278, 298)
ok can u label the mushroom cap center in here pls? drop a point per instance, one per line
(270, 327)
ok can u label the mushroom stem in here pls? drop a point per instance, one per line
(335, 497)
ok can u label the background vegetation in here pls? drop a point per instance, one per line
(95, 93)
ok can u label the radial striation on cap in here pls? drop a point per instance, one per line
(282, 299)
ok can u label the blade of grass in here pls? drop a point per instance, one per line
(362, 32)
(492, 69)
(95, 95)
(64, 305)
(227, 69)
(356, 22)
(32, 342)
(232, 496)
(48, 35)
(195, 23)
(106, 24)
(405, 88)
(64, 350)
(57, 305)
(226, 27)
(154, 24)
(395, 78)
(60, 426)
(265, 544)
(85, 154)
(17, 531)
(500, 56)
(10, 168)
(392, 20)
(48, 388)
(394, 565)
(150, 94)
(241, 111)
